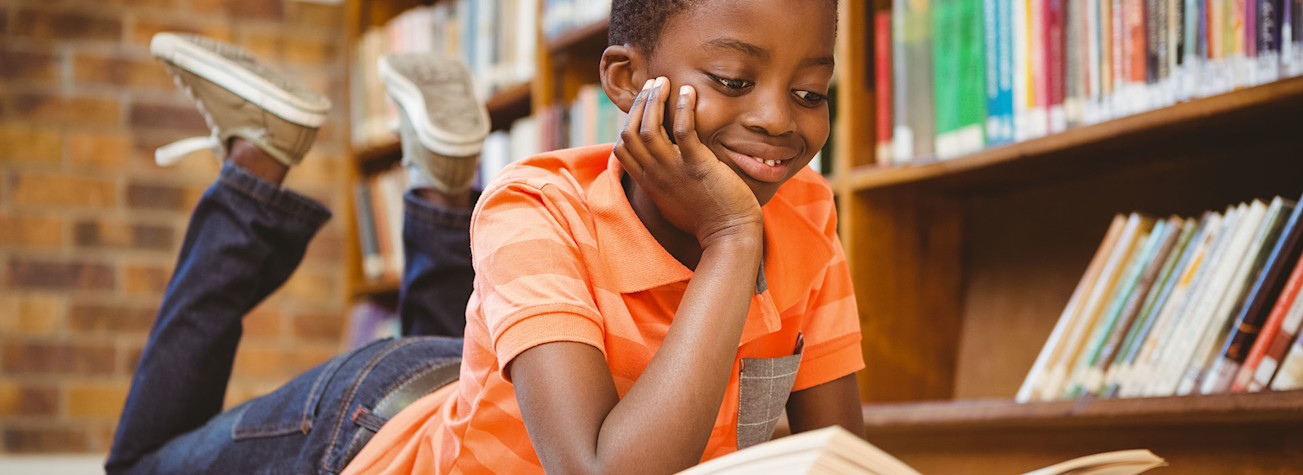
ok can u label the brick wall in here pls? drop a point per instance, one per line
(90, 227)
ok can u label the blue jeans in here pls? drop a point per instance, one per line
(246, 236)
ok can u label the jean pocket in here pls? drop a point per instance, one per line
(763, 388)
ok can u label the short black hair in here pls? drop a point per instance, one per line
(639, 23)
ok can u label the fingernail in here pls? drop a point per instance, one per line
(660, 81)
(684, 90)
(648, 84)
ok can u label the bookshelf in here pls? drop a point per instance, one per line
(962, 267)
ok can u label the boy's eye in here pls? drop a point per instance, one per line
(731, 83)
(811, 98)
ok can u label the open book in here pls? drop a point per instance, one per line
(833, 450)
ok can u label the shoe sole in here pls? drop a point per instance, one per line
(203, 62)
(404, 91)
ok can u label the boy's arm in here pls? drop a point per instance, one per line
(575, 417)
(836, 402)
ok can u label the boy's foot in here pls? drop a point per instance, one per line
(442, 124)
(239, 97)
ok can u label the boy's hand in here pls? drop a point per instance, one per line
(691, 187)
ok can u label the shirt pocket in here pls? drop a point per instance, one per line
(763, 387)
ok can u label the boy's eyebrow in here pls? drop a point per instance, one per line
(760, 53)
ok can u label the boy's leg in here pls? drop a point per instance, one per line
(246, 236)
(443, 127)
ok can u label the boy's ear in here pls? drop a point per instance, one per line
(623, 74)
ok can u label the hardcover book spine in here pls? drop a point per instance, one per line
(882, 84)
(1054, 66)
(1290, 375)
(1289, 329)
(971, 114)
(999, 76)
(1022, 73)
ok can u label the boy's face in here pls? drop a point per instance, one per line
(761, 69)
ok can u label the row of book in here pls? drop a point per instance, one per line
(496, 39)
(561, 16)
(1181, 306)
(955, 76)
(378, 205)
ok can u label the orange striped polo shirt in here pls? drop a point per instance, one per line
(560, 255)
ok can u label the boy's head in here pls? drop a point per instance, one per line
(761, 69)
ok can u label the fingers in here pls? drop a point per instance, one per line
(685, 118)
(629, 148)
(652, 130)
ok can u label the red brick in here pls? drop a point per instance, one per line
(52, 108)
(28, 65)
(19, 142)
(61, 190)
(309, 286)
(40, 274)
(168, 117)
(327, 246)
(58, 357)
(119, 71)
(162, 197)
(45, 439)
(28, 399)
(65, 25)
(90, 400)
(326, 327)
(145, 29)
(111, 318)
(116, 234)
(262, 322)
(317, 16)
(41, 231)
(30, 314)
(101, 150)
(144, 279)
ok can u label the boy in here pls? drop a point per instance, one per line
(648, 306)
(621, 313)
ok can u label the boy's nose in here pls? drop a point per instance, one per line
(770, 113)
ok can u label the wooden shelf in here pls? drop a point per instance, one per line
(1240, 408)
(1073, 148)
(582, 38)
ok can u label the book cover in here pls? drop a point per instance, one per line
(1290, 375)
(1263, 237)
(1145, 245)
(1051, 352)
(1141, 378)
(1254, 311)
(1291, 317)
(1165, 237)
(1149, 310)
(1181, 361)
(882, 90)
(914, 135)
(833, 450)
(1056, 381)
(999, 71)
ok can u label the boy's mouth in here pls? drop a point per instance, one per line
(762, 162)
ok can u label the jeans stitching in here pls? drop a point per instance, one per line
(333, 444)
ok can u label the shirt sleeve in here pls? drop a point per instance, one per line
(831, 327)
(529, 272)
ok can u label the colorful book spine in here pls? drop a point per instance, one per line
(915, 134)
(1290, 375)
(1055, 65)
(882, 84)
(1291, 317)
(999, 72)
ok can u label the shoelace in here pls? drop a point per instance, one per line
(169, 154)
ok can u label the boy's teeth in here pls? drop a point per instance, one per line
(771, 163)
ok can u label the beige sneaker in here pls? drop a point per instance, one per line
(238, 97)
(442, 124)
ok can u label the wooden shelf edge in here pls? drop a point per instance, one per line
(1284, 407)
(580, 35)
(376, 289)
(1244, 100)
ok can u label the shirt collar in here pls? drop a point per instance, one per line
(635, 261)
